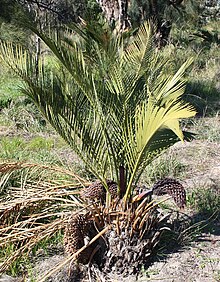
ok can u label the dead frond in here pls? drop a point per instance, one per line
(35, 205)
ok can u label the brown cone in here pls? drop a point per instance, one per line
(173, 188)
(97, 191)
(75, 233)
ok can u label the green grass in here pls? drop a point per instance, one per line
(203, 88)
(18, 265)
(22, 114)
(205, 201)
(37, 149)
(49, 243)
(9, 87)
(167, 165)
(24, 264)
(206, 128)
(44, 149)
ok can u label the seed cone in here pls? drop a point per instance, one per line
(97, 191)
(80, 229)
(76, 231)
(173, 188)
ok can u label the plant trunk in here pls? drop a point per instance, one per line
(116, 13)
(122, 180)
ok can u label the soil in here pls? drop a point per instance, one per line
(199, 262)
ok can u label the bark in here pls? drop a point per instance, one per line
(116, 12)
(163, 27)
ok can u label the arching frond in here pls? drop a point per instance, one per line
(113, 103)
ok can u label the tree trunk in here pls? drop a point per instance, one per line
(163, 27)
(116, 13)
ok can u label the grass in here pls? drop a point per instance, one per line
(25, 263)
(25, 135)
(37, 149)
(203, 88)
(22, 114)
(201, 216)
(18, 266)
(166, 165)
(9, 87)
(43, 149)
(205, 201)
(8, 92)
(206, 128)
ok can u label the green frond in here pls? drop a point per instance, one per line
(112, 102)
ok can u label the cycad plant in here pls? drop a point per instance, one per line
(109, 96)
